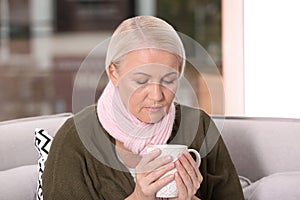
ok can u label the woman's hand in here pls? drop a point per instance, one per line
(148, 173)
(187, 177)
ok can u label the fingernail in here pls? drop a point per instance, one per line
(168, 158)
(155, 150)
(171, 176)
(172, 164)
(180, 157)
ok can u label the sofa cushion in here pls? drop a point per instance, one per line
(276, 187)
(17, 139)
(19, 183)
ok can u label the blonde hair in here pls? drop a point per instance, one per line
(144, 32)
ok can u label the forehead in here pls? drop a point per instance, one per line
(140, 59)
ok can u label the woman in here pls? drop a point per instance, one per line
(100, 152)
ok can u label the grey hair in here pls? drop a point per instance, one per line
(144, 32)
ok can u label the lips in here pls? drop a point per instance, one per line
(154, 108)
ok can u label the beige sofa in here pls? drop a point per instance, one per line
(266, 153)
(18, 156)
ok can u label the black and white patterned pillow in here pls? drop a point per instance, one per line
(43, 143)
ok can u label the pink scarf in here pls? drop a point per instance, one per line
(123, 126)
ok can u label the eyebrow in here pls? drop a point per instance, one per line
(168, 74)
(141, 73)
(171, 73)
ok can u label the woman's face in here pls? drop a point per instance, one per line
(147, 81)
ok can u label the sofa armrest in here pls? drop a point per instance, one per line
(17, 138)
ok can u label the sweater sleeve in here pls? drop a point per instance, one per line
(221, 181)
(66, 175)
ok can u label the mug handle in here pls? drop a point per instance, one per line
(198, 157)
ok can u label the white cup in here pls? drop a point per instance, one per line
(173, 150)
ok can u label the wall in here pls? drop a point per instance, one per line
(271, 52)
(233, 60)
(260, 49)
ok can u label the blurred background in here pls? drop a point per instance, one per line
(44, 42)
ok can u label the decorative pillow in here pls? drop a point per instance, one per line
(278, 186)
(43, 143)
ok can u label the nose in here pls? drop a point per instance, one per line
(155, 92)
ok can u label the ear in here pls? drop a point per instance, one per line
(113, 74)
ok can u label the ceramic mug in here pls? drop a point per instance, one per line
(173, 150)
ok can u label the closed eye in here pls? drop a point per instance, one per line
(170, 78)
(141, 82)
(169, 81)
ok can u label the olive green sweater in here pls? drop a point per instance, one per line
(82, 163)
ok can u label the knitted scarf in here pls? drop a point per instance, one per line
(126, 128)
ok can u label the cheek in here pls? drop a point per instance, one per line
(137, 98)
(132, 97)
(125, 94)
(169, 97)
(169, 94)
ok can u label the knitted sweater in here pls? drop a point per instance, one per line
(82, 163)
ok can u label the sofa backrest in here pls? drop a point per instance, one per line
(258, 146)
(17, 139)
(262, 146)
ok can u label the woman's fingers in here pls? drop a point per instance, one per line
(193, 170)
(149, 189)
(150, 173)
(158, 184)
(151, 162)
(146, 158)
(155, 176)
(190, 177)
(181, 187)
(187, 183)
(152, 169)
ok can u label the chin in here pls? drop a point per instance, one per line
(153, 118)
(156, 117)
